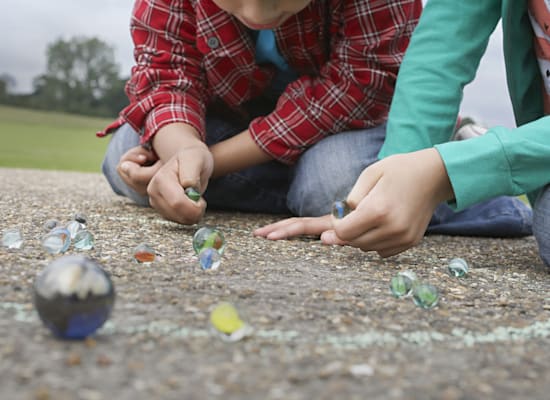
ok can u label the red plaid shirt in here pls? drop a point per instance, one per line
(190, 53)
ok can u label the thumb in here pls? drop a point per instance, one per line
(330, 237)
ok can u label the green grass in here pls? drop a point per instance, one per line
(49, 140)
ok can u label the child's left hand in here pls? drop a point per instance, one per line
(137, 167)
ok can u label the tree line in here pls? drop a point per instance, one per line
(81, 77)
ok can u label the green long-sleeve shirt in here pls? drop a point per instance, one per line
(442, 58)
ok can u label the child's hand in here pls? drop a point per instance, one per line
(137, 167)
(189, 167)
(291, 227)
(394, 200)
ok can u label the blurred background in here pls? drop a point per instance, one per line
(43, 65)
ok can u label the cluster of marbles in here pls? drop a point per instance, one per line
(228, 324)
(424, 295)
(406, 284)
(12, 238)
(58, 237)
(209, 245)
(73, 296)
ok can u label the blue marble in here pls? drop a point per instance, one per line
(73, 296)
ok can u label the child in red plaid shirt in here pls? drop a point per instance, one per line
(274, 105)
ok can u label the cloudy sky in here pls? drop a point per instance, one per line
(28, 26)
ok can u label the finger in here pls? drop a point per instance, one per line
(136, 175)
(189, 172)
(294, 226)
(266, 229)
(364, 184)
(134, 157)
(361, 220)
(169, 198)
(330, 237)
(301, 226)
(139, 155)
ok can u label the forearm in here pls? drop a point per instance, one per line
(237, 153)
(174, 137)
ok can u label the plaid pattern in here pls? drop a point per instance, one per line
(190, 53)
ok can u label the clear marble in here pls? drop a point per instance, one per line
(81, 218)
(51, 224)
(84, 240)
(12, 238)
(425, 295)
(143, 253)
(340, 209)
(209, 258)
(458, 267)
(402, 284)
(208, 237)
(74, 227)
(57, 240)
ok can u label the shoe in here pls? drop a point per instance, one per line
(467, 128)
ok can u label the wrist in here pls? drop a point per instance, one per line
(173, 138)
(443, 187)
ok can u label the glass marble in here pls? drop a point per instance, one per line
(425, 295)
(458, 267)
(84, 240)
(208, 237)
(227, 322)
(143, 253)
(12, 238)
(340, 209)
(73, 296)
(193, 194)
(51, 224)
(57, 240)
(402, 284)
(209, 258)
(81, 218)
(74, 227)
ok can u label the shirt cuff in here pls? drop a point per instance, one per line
(477, 168)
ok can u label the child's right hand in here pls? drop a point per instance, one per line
(189, 167)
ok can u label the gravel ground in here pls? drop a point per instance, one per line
(325, 325)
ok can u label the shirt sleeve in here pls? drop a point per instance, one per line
(166, 83)
(501, 162)
(442, 58)
(353, 89)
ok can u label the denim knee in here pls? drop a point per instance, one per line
(541, 224)
(328, 170)
(121, 141)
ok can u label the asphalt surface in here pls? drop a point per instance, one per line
(325, 324)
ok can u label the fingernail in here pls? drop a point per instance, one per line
(125, 166)
(141, 157)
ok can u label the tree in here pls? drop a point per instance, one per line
(79, 73)
(7, 84)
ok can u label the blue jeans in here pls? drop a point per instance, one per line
(541, 224)
(324, 173)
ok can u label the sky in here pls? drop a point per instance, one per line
(30, 25)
